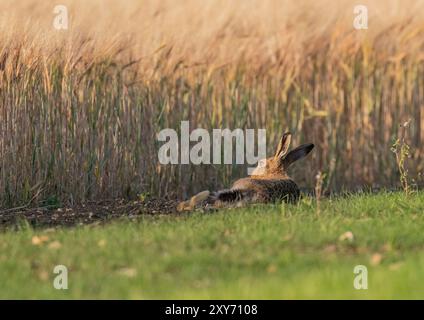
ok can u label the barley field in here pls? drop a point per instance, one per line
(80, 108)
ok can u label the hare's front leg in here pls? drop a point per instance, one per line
(194, 202)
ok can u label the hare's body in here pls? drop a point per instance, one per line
(261, 190)
(269, 182)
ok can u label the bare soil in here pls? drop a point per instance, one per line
(88, 213)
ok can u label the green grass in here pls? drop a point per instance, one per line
(264, 252)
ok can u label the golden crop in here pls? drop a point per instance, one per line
(80, 108)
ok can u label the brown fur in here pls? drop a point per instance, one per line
(269, 182)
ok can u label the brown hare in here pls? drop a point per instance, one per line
(268, 182)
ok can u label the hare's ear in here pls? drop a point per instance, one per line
(297, 153)
(283, 145)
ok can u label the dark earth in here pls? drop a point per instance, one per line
(88, 213)
(98, 212)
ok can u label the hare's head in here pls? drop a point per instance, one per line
(282, 159)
